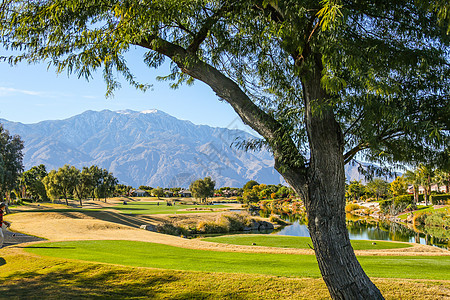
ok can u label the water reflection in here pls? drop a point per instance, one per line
(365, 228)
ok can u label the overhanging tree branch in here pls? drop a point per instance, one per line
(227, 89)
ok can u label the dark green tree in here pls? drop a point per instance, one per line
(249, 185)
(106, 185)
(10, 162)
(158, 192)
(355, 189)
(83, 187)
(202, 188)
(95, 180)
(31, 180)
(320, 81)
(378, 187)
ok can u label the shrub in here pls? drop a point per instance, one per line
(225, 223)
(385, 205)
(440, 199)
(171, 229)
(397, 204)
(351, 207)
(210, 227)
(419, 218)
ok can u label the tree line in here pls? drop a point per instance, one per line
(67, 182)
(422, 176)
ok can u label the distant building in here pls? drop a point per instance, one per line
(185, 193)
(434, 188)
(168, 193)
(139, 193)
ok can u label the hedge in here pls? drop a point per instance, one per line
(440, 199)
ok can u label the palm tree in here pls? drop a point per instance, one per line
(413, 177)
(442, 178)
(426, 174)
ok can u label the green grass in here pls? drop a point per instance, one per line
(139, 208)
(281, 241)
(147, 208)
(24, 276)
(423, 208)
(141, 254)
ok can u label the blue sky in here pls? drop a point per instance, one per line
(31, 93)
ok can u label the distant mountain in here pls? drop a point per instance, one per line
(144, 148)
(147, 148)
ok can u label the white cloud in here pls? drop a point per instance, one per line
(6, 91)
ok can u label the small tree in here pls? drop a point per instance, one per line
(379, 187)
(250, 184)
(355, 189)
(202, 188)
(31, 181)
(398, 186)
(158, 192)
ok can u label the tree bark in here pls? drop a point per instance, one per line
(322, 186)
(324, 197)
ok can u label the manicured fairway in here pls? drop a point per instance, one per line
(147, 208)
(282, 241)
(168, 257)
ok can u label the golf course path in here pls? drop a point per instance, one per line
(109, 225)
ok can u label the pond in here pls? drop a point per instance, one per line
(364, 228)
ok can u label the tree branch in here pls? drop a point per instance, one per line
(230, 91)
(204, 30)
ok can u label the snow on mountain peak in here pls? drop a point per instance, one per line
(149, 111)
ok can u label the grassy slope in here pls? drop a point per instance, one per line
(142, 254)
(296, 242)
(138, 208)
(423, 209)
(28, 277)
(152, 208)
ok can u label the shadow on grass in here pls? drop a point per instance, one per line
(87, 282)
(2, 261)
(46, 247)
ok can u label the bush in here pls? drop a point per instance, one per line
(351, 207)
(419, 218)
(440, 199)
(437, 219)
(397, 204)
(225, 223)
(385, 205)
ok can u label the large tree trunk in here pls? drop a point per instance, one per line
(324, 196)
(323, 187)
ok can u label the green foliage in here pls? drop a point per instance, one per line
(355, 190)
(158, 192)
(32, 181)
(438, 219)
(202, 188)
(68, 181)
(249, 185)
(379, 187)
(440, 199)
(398, 186)
(10, 161)
(397, 204)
